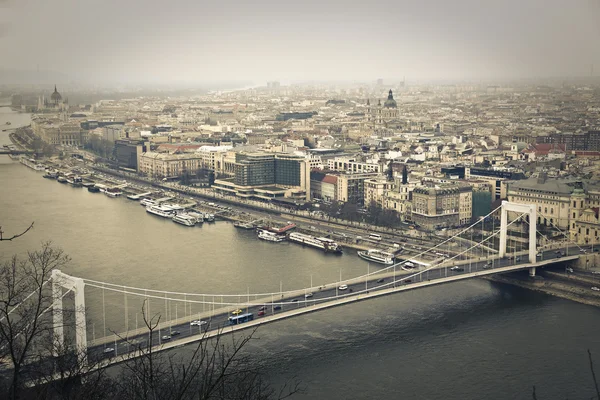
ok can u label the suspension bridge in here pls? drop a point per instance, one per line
(189, 317)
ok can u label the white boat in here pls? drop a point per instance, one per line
(270, 236)
(112, 192)
(160, 211)
(209, 217)
(378, 256)
(322, 243)
(184, 219)
(147, 202)
(199, 216)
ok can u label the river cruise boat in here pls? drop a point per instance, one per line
(113, 192)
(161, 211)
(76, 181)
(270, 236)
(243, 225)
(147, 202)
(325, 244)
(51, 174)
(377, 256)
(199, 216)
(184, 219)
(93, 189)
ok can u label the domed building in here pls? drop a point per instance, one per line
(385, 113)
(56, 102)
(56, 98)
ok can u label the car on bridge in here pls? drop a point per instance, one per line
(308, 295)
(276, 308)
(594, 288)
(198, 323)
(457, 269)
(380, 280)
(166, 337)
(343, 287)
(236, 312)
(261, 313)
(108, 350)
(263, 308)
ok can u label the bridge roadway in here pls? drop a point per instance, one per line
(379, 284)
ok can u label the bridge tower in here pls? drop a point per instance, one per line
(62, 281)
(528, 209)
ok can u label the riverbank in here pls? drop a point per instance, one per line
(553, 284)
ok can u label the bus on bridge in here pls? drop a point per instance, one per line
(239, 319)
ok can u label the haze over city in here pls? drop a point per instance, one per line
(184, 41)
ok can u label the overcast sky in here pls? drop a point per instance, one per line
(173, 41)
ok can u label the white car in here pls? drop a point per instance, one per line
(308, 295)
(198, 323)
(166, 337)
(109, 350)
(343, 287)
(595, 289)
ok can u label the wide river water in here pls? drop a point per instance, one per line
(468, 340)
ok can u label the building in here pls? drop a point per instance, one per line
(165, 165)
(375, 188)
(268, 177)
(552, 198)
(129, 151)
(350, 188)
(382, 114)
(589, 141)
(323, 186)
(351, 165)
(443, 206)
(494, 177)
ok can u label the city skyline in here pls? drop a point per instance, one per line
(187, 43)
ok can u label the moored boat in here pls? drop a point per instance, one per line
(243, 225)
(146, 202)
(160, 211)
(270, 236)
(93, 189)
(326, 244)
(378, 256)
(184, 219)
(77, 181)
(51, 174)
(113, 192)
(61, 179)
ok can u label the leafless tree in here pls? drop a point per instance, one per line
(2, 238)
(24, 298)
(213, 370)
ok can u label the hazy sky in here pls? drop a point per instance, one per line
(199, 40)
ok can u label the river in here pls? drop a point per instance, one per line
(469, 340)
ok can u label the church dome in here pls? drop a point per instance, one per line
(56, 97)
(390, 102)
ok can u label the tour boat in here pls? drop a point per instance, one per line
(161, 211)
(113, 192)
(326, 244)
(377, 256)
(270, 236)
(184, 219)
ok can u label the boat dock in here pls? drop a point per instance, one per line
(138, 196)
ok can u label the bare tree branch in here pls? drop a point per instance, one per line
(17, 235)
(593, 374)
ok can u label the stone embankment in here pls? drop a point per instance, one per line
(571, 287)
